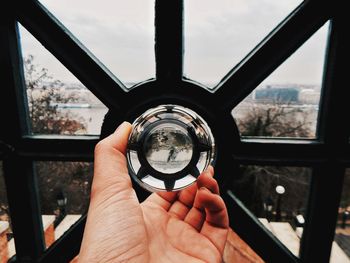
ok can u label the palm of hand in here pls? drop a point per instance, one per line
(177, 241)
(178, 228)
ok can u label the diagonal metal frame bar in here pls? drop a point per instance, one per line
(286, 38)
(20, 179)
(328, 178)
(70, 52)
(68, 246)
(247, 226)
(169, 39)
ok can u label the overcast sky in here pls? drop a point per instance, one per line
(218, 34)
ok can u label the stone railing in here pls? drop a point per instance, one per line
(7, 247)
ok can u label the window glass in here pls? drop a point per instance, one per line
(119, 33)
(58, 102)
(286, 103)
(219, 34)
(278, 197)
(64, 189)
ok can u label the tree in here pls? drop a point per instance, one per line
(44, 95)
(275, 119)
(259, 183)
(73, 179)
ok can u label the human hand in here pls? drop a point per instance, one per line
(186, 226)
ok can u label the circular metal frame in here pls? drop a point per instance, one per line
(152, 93)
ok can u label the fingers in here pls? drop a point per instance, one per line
(206, 180)
(110, 167)
(184, 202)
(208, 214)
(215, 226)
(209, 217)
(215, 208)
(179, 203)
(162, 199)
(182, 205)
(167, 200)
(185, 199)
(196, 216)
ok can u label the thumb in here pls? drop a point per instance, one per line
(114, 222)
(119, 139)
(110, 166)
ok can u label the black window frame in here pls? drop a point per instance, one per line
(328, 155)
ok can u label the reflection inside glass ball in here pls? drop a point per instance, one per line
(168, 148)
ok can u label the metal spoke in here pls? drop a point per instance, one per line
(74, 55)
(58, 147)
(169, 39)
(269, 54)
(289, 152)
(169, 184)
(68, 246)
(281, 152)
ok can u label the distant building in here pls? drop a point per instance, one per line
(277, 94)
(309, 96)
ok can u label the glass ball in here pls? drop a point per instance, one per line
(169, 146)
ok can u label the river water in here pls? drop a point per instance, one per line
(93, 116)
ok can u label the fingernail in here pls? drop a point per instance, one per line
(120, 126)
(210, 170)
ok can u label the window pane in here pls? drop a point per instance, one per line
(341, 245)
(278, 197)
(58, 102)
(219, 34)
(286, 103)
(119, 33)
(64, 189)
